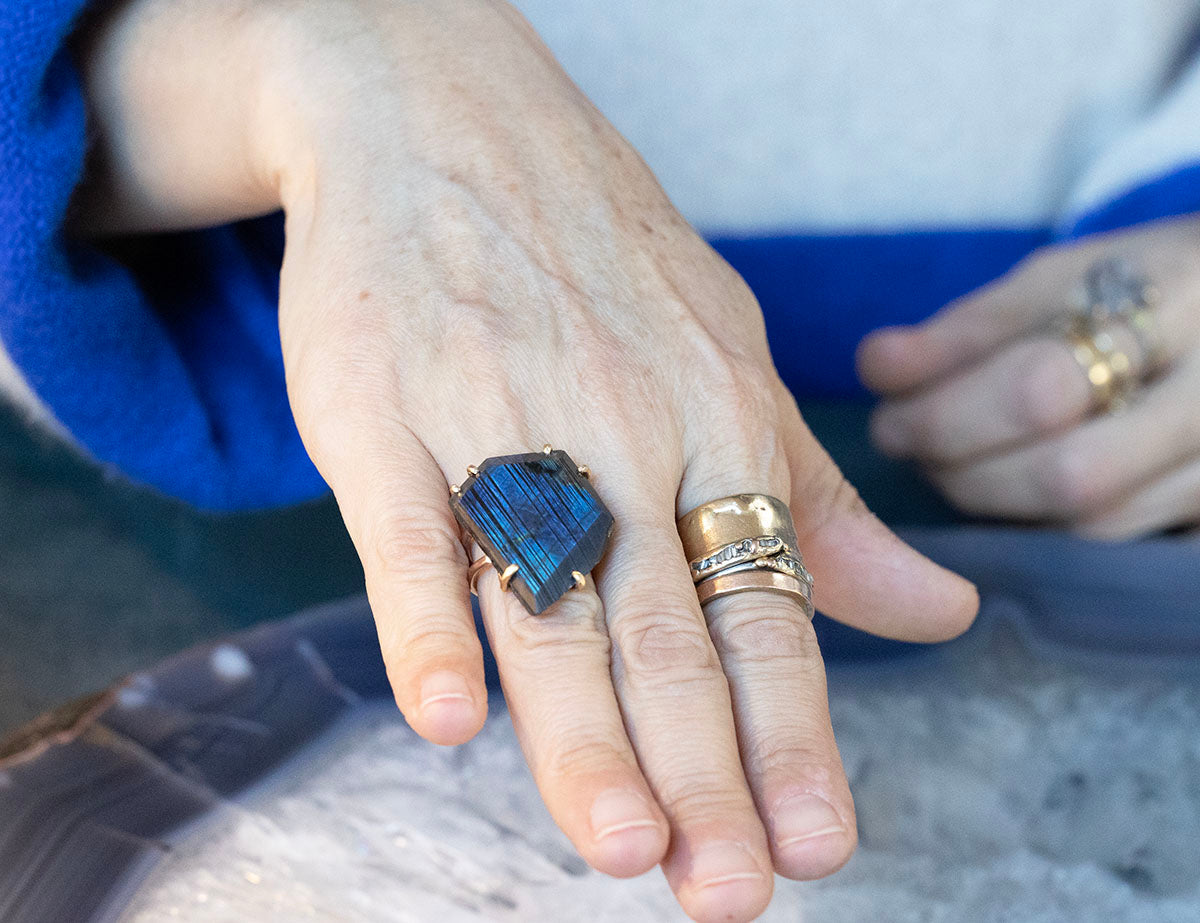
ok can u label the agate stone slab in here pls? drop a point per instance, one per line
(539, 512)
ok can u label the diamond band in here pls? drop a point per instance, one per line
(766, 552)
(748, 549)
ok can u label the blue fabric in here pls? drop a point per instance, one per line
(162, 357)
(166, 366)
(822, 295)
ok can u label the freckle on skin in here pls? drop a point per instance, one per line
(364, 295)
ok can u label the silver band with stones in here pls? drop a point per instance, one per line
(1113, 290)
(764, 553)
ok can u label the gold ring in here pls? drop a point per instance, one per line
(712, 526)
(745, 542)
(1143, 325)
(1114, 290)
(728, 584)
(1108, 370)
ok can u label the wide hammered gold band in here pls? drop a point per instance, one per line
(742, 543)
(712, 526)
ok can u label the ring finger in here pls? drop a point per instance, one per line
(768, 651)
(1030, 388)
(1093, 466)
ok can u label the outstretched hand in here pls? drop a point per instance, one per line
(477, 264)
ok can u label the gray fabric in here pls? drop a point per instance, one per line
(1138, 597)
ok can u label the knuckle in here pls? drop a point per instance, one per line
(401, 542)
(580, 756)
(694, 796)
(414, 642)
(807, 760)
(748, 396)
(665, 646)
(575, 631)
(1069, 481)
(767, 630)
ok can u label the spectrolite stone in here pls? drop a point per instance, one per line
(538, 512)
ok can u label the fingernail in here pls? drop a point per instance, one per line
(723, 862)
(444, 686)
(619, 809)
(805, 817)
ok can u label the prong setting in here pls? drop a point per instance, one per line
(538, 512)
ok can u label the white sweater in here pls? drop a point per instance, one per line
(832, 115)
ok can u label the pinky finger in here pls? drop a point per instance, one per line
(1172, 500)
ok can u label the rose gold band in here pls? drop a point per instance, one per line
(729, 583)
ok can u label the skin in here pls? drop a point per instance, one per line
(991, 402)
(476, 264)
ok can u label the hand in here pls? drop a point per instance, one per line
(477, 264)
(991, 401)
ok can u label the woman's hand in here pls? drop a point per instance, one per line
(991, 401)
(477, 264)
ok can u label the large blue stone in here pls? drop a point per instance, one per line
(538, 512)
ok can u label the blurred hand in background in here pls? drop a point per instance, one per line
(990, 399)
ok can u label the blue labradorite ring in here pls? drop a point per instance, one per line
(539, 521)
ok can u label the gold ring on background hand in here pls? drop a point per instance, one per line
(1113, 289)
(1107, 369)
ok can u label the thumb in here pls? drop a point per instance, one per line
(865, 576)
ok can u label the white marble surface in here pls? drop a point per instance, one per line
(993, 784)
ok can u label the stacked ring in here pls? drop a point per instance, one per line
(1108, 370)
(1113, 289)
(1112, 293)
(742, 543)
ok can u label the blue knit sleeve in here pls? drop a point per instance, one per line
(160, 356)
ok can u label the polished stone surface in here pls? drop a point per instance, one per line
(539, 512)
(997, 780)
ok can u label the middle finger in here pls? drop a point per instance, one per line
(676, 702)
